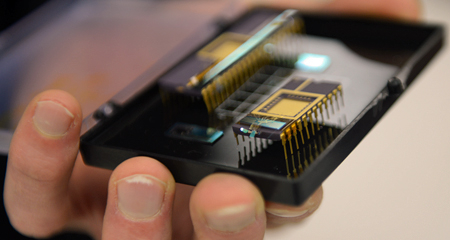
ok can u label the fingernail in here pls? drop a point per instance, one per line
(293, 212)
(140, 196)
(52, 119)
(287, 213)
(231, 219)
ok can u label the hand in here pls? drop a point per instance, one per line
(49, 190)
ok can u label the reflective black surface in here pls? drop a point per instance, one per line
(364, 55)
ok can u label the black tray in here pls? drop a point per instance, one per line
(375, 61)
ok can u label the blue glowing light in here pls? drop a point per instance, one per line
(309, 62)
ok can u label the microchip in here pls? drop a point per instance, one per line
(292, 109)
(222, 46)
(192, 132)
(217, 70)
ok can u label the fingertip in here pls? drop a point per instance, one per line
(225, 205)
(278, 214)
(143, 165)
(143, 186)
(45, 143)
(140, 199)
(53, 114)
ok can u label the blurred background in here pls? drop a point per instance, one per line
(395, 184)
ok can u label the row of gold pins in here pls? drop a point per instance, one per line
(315, 148)
(226, 84)
(301, 125)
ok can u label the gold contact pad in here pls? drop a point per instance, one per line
(223, 46)
(283, 104)
(288, 107)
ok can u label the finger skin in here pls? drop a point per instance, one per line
(118, 224)
(38, 171)
(181, 217)
(219, 209)
(395, 9)
(279, 214)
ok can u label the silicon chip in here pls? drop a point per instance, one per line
(293, 108)
(195, 133)
(217, 70)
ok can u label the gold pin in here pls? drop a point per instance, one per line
(236, 73)
(325, 138)
(289, 138)
(321, 112)
(330, 133)
(294, 132)
(283, 141)
(217, 93)
(330, 97)
(341, 93)
(305, 124)
(317, 119)
(305, 162)
(206, 100)
(223, 86)
(299, 125)
(300, 168)
(243, 139)
(237, 139)
(325, 101)
(241, 73)
(319, 139)
(311, 121)
(222, 92)
(230, 87)
(336, 98)
(210, 97)
(311, 158)
(316, 149)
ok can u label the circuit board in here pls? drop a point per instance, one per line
(278, 97)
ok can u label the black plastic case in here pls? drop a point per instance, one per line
(390, 55)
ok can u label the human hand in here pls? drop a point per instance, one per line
(49, 190)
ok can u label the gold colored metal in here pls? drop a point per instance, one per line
(311, 121)
(321, 112)
(325, 101)
(294, 132)
(305, 124)
(330, 97)
(317, 119)
(299, 125)
(283, 142)
(336, 98)
(206, 100)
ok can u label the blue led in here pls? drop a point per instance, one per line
(309, 62)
